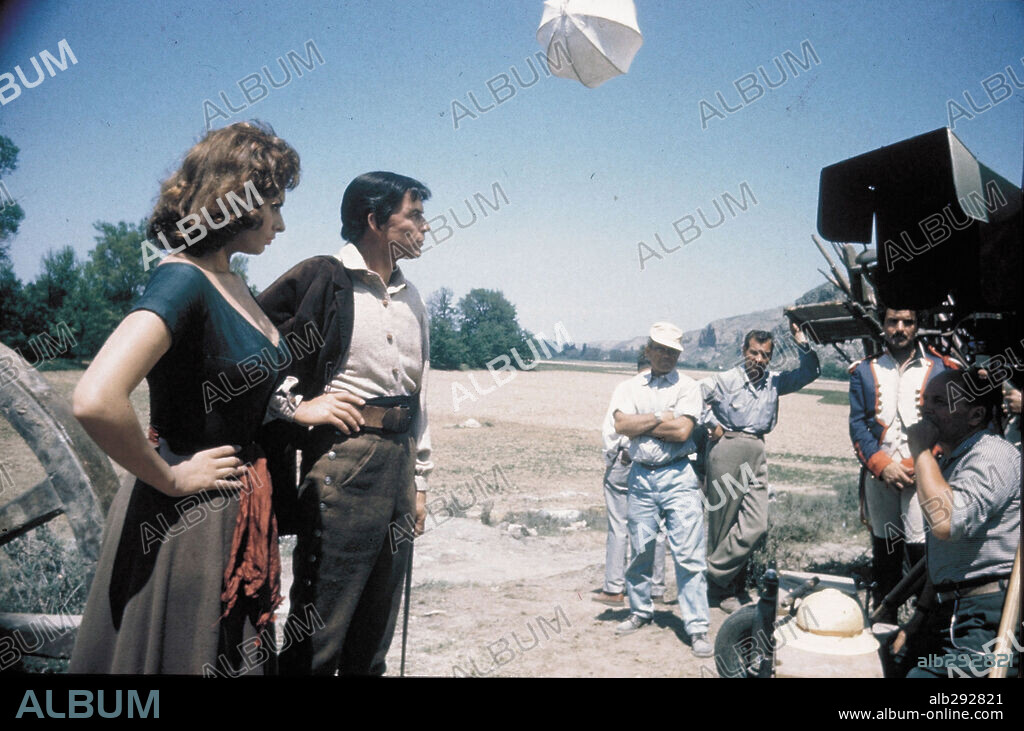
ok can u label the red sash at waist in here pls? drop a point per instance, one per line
(253, 568)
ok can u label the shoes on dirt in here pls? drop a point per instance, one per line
(699, 645)
(632, 624)
(612, 600)
(659, 599)
(744, 598)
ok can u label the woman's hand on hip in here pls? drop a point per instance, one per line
(212, 469)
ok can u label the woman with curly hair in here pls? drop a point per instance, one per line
(189, 573)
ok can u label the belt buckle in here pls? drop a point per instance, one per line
(395, 419)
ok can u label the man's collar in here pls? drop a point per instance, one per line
(352, 258)
(965, 444)
(917, 353)
(671, 377)
(752, 384)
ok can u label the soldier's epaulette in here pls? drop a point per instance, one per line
(853, 366)
(948, 361)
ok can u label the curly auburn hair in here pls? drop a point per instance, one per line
(223, 162)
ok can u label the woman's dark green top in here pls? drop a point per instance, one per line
(212, 387)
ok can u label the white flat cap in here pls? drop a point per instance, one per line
(667, 334)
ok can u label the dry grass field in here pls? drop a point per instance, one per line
(486, 602)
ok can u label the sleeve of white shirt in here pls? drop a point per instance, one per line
(622, 399)
(420, 427)
(283, 402)
(611, 440)
(690, 402)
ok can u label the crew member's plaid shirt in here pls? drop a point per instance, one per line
(984, 472)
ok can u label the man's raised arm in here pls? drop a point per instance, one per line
(808, 370)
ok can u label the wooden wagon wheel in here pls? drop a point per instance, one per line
(80, 482)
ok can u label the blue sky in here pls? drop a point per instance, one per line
(588, 173)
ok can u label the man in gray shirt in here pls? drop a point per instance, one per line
(742, 406)
(971, 502)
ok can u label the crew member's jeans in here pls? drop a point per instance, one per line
(671, 492)
(617, 553)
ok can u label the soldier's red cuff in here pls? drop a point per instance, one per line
(878, 462)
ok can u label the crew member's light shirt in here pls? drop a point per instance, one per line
(648, 394)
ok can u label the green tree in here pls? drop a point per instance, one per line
(53, 292)
(13, 306)
(446, 351)
(112, 280)
(11, 213)
(51, 299)
(489, 328)
(115, 265)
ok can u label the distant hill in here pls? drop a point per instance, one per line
(718, 344)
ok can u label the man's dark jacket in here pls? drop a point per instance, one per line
(310, 303)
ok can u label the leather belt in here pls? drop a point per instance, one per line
(961, 590)
(390, 419)
(744, 434)
(385, 415)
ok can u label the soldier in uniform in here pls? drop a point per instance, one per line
(886, 393)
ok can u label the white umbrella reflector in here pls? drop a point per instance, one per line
(589, 40)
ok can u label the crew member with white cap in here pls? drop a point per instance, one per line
(657, 411)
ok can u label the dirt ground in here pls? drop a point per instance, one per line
(488, 603)
(485, 602)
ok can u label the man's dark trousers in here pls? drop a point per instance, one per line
(977, 623)
(357, 509)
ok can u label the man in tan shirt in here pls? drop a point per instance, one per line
(363, 490)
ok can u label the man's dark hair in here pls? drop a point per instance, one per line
(981, 389)
(379, 193)
(882, 309)
(761, 336)
(641, 361)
